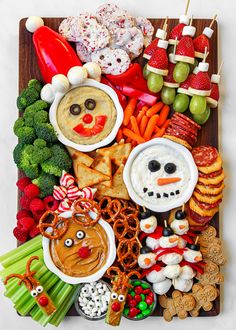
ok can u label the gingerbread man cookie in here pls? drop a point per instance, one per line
(204, 296)
(180, 304)
(211, 274)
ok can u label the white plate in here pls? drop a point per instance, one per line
(175, 203)
(91, 278)
(85, 147)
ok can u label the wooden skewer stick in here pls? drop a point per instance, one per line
(186, 8)
(183, 206)
(175, 45)
(144, 208)
(139, 243)
(191, 21)
(165, 27)
(219, 70)
(206, 53)
(213, 20)
(165, 223)
(196, 240)
(165, 22)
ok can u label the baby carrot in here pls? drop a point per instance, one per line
(163, 115)
(166, 123)
(150, 127)
(143, 124)
(154, 109)
(156, 129)
(119, 135)
(129, 110)
(127, 132)
(134, 125)
(141, 114)
(164, 181)
(159, 133)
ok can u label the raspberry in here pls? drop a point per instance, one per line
(23, 182)
(32, 191)
(19, 235)
(36, 205)
(34, 231)
(25, 224)
(50, 203)
(25, 202)
(22, 214)
(37, 215)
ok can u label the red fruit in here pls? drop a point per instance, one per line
(37, 215)
(187, 82)
(19, 235)
(50, 203)
(185, 47)
(116, 307)
(169, 78)
(25, 202)
(34, 231)
(215, 92)
(177, 32)
(132, 303)
(43, 301)
(84, 252)
(159, 59)
(22, 214)
(151, 295)
(149, 51)
(32, 191)
(25, 224)
(149, 300)
(36, 205)
(133, 312)
(137, 298)
(87, 119)
(200, 43)
(138, 289)
(201, 81)
(23, 182)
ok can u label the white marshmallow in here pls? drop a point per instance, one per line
(172, 258)
(162, 43)
(203, 66)
(215, 78)
(162, 287)
(196, 70)
(149, 224)
(187, 273)
(172, 271)
(77, 75)
(182, 285)
(161, 34)
(184, 19)
(47, 93)
(177, 225)
(192, 256)
(146, 260)
(208, 32)
(155, 276)
(94, 70)
(165, 241)
(189, 30)
(33, 23)
(152, 243)
(60, 83)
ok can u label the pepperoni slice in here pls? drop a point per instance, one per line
(206, 206)
(218, 185)
(200, 228)
(210, 175)
(198, 218)
(180, 123)
(177, 133)
(204, 155)
(187, 119)
(182, 131)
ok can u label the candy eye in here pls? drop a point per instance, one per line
(154, 165)
(80, 234)
(85, 290)
(75, 109)
(68, 242)
(90, 104)
(39, 289)
(114, 296)
(121, 298)
(33, 293)
(170, 168)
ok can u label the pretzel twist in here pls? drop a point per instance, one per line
(58, 231)
(82, 213)
(127, 253)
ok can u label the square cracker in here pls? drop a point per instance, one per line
(87, 177)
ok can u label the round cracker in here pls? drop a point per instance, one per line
(207, 198)
(216, 166)
(206, 190)
(177, 140)
(216, 180)
(204, 213)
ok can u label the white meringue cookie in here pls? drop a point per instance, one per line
(187, 273)
(146, 260)
(180, 227)
(182, 285)
(169, 241)
(172, 258)
(152, 243)
(149, 224)
(162, 287)
(172, 271)
(155, 276)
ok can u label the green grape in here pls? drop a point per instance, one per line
(181, 103)
(181, 72)
(154, 82)
(193, 66)
(197, 104)
(168, 95)
(202, 118)
(146, 72)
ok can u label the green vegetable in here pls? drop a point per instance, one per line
(27, 97)
(18, 124)
(46, 131)
(59, 161)
(45, 182)
(34, 83)
(41, 117)
(26, 135)
(32, 110)
(40, 152)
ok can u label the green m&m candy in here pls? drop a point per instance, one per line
(139, 316)
(142, 296)
(135, 283)
(145, 286)
(126, 311)
(142, 305)
(147, 312)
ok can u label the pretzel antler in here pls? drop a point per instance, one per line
(30, 274)
(82, 214)
(57, 230)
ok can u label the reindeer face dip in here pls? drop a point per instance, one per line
(82, 245)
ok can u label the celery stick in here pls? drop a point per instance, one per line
(19, 266)
(20, 252)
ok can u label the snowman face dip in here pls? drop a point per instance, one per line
(160, 175)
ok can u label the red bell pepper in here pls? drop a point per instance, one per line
(97, 128)
(54, 53)
(121, 97)
(130, 91)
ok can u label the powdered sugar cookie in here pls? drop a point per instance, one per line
(83, 53)
(111, 61)
(147, 29)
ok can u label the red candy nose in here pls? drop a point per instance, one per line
(87, 119)
(84, 252)
(43, 301)
(115, 307)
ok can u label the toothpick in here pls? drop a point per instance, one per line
(206, 53)
(139, 243)
(165, 27)
(219, 70)
(175, 45)
(165, 223)
(165, 22)
(183, 206)
(186, 8)
(144, 208)
(196, 240)
(191, 21)
(213, 20)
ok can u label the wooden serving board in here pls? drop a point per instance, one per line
(28, 69)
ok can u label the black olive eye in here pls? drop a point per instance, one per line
(75, 109)
(90, 104)
(80, 234)
(154, 165)
(68, 242)
(170, 168)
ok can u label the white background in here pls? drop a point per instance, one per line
(11, 12)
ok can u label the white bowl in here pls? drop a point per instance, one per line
(106, 140)
(163, 207)
(91, 278)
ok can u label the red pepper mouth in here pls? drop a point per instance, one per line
(97, 128)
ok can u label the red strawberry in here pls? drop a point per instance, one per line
(25, 202)
(20, 235)
(176, 32)
(185, 49)
(25, 224)
(50, 203)
(34, 231)
(200, 43)
(36, 205)
(158, 63)
(23, 182)
(215, 95)
(32, 191)
(149, 51)
(201, 82)
(23, 214)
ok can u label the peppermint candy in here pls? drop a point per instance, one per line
(73, 193)
(66, 179)
(59, 192)
(87, 193)
(64, 206)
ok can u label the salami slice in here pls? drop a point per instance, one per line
(183, 132)
(206, 206)
(204, 155)
(187, 119)
(177, 133)
(198, 218)
(200, 228)
(210, 175)
(180, 123)
(218, 185)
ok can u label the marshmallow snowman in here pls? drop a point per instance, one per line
(180, 224)
(148, 222)
(169, 239)
(182, 285)
(192, 253)
(146, 259)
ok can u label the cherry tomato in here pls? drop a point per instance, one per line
(87, 119)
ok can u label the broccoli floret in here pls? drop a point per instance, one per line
(32, 110)
(45, 131)
(31, 169)
(59, 161)
(27, 97)
(41, 117)
(40, 152)
(38, 105)
(17, 152)
(35, 84)
(45, 182)
(26, 134)
(18, 124)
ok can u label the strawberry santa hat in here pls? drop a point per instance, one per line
(185, 48)
(184, 86)
(213, 98)
(201, 83)
(169, 79)
(158, 63)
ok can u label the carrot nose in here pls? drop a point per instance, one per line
(173, 239)
(147, 261)
(181, 226)
(164, 181)
(197, 259)
(147, 226)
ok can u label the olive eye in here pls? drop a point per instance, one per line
(68, 242)
(154, 165)
(75, 109)
(170, 168)
(80, 234)
(121, 298)
(114, 296)
(90, 104)
(39, 289)
(33, 293)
